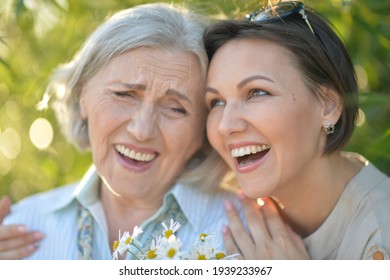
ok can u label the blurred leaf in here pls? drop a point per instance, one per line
(377, 6)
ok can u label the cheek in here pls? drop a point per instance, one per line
(212, 130)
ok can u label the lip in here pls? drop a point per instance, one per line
(252, 166)
(133, 165)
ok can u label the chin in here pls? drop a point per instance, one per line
(255, 189)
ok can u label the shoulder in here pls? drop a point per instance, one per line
(40, 203)
(370, 224)
(377, 192)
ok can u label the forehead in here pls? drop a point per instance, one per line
(174, 68)
(252, 51)
(251, 55)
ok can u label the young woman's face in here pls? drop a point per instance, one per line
(263, 119)
(146, 118)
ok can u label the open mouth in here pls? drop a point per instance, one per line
(248, 155)
(134, 157)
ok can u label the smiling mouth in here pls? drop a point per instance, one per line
(134, 156)
(249, 154)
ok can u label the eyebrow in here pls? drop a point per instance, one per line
(242, 83)
(173, 92)
(251, 78)
(170, 92)
(211, 90)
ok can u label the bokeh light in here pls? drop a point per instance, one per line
(361, 118)
(10, 143)
(362, 77)
(41, 133)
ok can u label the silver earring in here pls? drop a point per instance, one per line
(329, 128)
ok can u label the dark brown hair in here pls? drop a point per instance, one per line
(321, 57)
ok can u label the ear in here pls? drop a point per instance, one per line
(331, 105)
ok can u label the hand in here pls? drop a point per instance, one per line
(269, 236)
(16, 241)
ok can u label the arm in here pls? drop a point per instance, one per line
(269, 236)
(16, 241)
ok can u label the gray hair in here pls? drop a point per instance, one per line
(160, 26)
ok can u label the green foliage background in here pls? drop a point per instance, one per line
(37, 35)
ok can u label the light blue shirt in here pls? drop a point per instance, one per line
(55, 214)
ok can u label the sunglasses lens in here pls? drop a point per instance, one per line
(281, 10)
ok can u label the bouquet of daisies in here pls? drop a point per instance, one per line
(168, 247)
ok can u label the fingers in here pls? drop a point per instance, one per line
(274, 222)
(298, 242)
(237, 230)
(228, 241)
(20, 239)
(286, 244)
(12, 231)
(5, 206)
(16, 241)
(18, 253)
(255, 219)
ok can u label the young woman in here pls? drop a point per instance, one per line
(282, 95)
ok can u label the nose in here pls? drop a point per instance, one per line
(232, 120)
(143, 124)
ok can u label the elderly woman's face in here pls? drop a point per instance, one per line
(146, 118)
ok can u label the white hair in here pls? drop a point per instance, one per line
(160, 26)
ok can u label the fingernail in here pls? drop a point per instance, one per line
(22, 229)
(38, 235)
(30, 248)
(228, 205)
(240, 194)
(225, 229)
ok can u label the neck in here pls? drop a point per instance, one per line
(124, 213)
(310, 199)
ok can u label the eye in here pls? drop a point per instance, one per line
(179, 110)
(124, 94)
(173, 106)
(216, 103)
(258, 92)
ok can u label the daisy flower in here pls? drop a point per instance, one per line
(120, 246)
(173, 227)
(170, 249)
(124, 242)
(155, 245)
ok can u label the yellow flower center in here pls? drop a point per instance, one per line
(151, 254)
(168, 233)
(128, 241)
(219, 255)
(171, 253)
(202, 236)
(202, 257)
(115, 245)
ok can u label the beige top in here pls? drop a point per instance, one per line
(359, 225)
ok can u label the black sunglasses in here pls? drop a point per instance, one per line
(280, 11)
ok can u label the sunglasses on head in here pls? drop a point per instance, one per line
(280, 11)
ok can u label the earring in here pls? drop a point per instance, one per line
(329, 128)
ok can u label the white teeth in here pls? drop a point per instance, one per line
(253, 149)
(133, 154)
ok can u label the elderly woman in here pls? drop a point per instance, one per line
(282, 95)
(134, 96)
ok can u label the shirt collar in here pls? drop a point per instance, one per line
(188, 196)
(86, 192)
